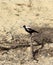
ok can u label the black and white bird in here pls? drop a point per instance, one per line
(29, 30)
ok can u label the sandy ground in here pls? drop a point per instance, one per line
(16, 13)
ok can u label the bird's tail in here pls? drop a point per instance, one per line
(36, 31)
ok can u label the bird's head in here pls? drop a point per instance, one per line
(24, 26)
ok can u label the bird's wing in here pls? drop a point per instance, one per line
(32, 30)
(29, 29)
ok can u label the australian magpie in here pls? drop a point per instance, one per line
(29, 30)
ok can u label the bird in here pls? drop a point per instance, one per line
(29, 30)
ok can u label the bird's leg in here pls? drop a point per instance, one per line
(32, 50)
(34, 53)
(43, 41)
(31, 47)
(42, 46)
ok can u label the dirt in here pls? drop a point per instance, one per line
(13, 15)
